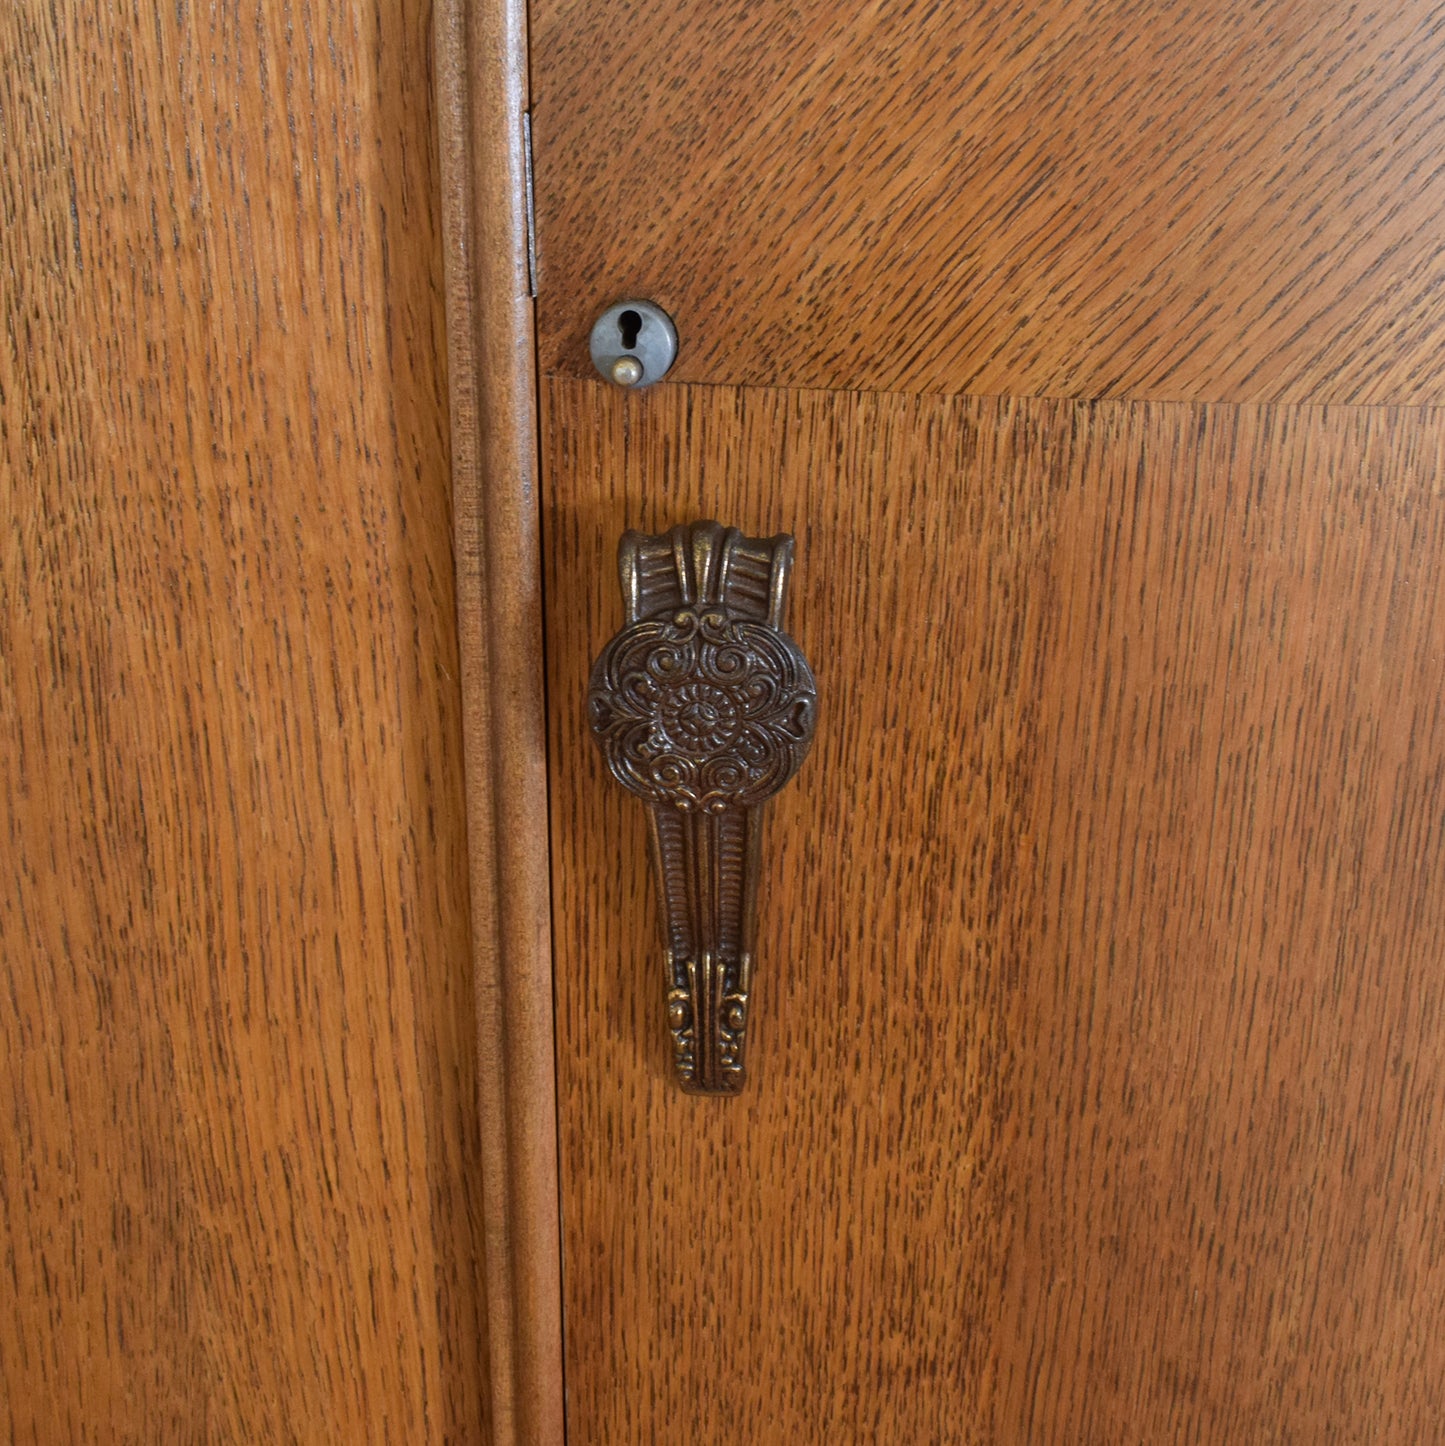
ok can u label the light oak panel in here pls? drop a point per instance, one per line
(238, 1159)
(1095, 1087)
(1201, 202)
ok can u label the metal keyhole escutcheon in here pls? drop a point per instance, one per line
(633, 343)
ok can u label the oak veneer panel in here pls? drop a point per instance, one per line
(1226, 201)
(1096, 1092)
(238, 1155)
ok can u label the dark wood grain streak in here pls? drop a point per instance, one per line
(1096, 1087)
(482, 49)
(239, 1162)
(1202, 202)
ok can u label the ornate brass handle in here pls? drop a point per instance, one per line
(704, 707)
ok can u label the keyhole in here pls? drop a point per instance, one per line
(629, 323)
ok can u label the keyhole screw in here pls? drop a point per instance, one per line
(627, 371)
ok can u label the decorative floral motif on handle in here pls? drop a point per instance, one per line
(702, 710)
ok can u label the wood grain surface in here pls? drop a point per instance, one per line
(481, 49)
(1125, 198)
(1096, 1092)
(238, 1132)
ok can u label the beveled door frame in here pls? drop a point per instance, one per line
(481, 78)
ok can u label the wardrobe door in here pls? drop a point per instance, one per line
(1093, 355)
(237, 1119)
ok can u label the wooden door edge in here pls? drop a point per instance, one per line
(481, 61)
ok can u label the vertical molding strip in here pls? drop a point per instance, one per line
(481, 58)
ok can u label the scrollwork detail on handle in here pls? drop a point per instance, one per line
(704, 707)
